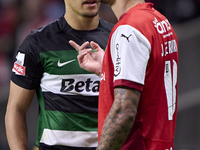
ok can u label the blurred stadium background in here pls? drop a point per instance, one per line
(19, 17)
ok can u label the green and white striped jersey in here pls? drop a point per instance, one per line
(67, 94)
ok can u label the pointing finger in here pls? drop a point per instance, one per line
(78, 47)
(84, 45)
(74, 44)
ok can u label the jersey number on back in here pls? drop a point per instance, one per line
(170, 80)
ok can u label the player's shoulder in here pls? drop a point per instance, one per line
(142, 18)
(38, 36)
(50, 29)
(105, 25)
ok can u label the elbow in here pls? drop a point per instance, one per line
(7, 117)
(13, 116)
(126, 117)
(129, 116)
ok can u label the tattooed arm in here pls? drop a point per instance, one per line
(120, 119)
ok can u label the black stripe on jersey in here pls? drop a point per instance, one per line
(71, 103)
(43, 146)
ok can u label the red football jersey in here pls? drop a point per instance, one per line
(142, 53)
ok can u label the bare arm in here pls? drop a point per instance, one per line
(15, 119)
(120, 119)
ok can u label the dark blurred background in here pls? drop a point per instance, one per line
(19, 17)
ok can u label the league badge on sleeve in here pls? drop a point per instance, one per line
(18, 67)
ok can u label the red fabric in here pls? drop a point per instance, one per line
(152, 129)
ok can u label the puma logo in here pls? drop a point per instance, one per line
(127, 37)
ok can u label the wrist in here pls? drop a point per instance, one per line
(98, 73)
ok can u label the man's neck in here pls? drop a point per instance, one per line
(122, 6)
(82, 23)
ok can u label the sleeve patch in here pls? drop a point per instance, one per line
(18, 67)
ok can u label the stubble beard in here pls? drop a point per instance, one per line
(90, 15)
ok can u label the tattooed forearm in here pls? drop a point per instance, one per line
(120, 119)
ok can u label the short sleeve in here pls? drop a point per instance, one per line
(27, 69)
(130, 51)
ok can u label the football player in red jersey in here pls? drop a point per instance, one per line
(138, 89)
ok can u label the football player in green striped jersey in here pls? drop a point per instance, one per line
(46, 64)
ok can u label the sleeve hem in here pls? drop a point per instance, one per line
(129, 84)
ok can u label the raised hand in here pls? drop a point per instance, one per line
(89, 60)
